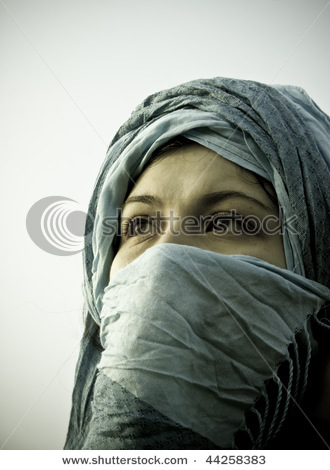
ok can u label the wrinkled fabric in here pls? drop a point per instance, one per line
(275, 131)
(207, 348)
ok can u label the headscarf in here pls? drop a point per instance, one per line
(275, 131)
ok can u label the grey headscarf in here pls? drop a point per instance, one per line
(275, 131)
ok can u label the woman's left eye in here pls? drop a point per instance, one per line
(220, 223)
(232, 223)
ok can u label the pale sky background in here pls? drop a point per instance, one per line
(71, 73)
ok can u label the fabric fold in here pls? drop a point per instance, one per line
(208, 348)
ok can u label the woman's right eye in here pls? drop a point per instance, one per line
(139, 226)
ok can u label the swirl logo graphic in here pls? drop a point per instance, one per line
(56, 224)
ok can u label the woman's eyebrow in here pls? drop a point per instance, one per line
(218, 196)
(144, 199)
(205, 201)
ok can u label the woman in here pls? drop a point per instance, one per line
(207, 277)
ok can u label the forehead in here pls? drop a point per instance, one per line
(192, 169)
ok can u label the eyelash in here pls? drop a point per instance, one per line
(244, 225)
(128, 225)
(223, 220)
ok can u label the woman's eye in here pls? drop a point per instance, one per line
(233, 224)
(221, 224)
(139, 226)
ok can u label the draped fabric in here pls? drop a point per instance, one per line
(275, 131)
(203, 360)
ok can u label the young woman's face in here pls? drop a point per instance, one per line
(193, 196)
